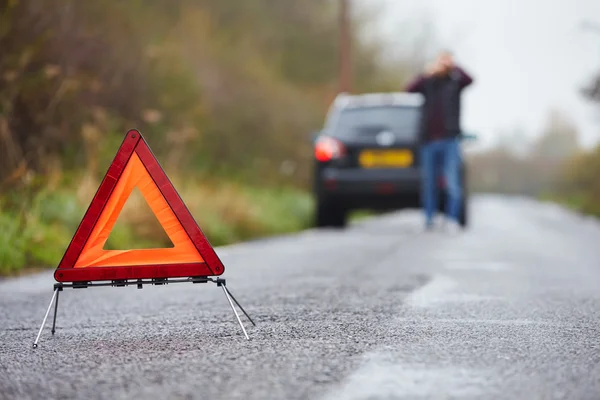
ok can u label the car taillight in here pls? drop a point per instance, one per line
(327, 149)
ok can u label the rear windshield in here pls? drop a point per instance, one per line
(403, 121)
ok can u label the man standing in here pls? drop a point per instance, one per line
(442, 86)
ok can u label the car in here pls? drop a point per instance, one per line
(366, 157)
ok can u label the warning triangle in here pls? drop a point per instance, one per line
(137, 224)
(135, 166)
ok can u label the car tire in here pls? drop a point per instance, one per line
(340, 216)
(464, 213)
(322, 214)
(330, 214)
(464, 209)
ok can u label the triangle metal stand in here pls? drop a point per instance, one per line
(58, 287)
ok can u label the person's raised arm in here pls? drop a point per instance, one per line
(463, 77)
(416, 85)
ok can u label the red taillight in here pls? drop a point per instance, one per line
(327, 149)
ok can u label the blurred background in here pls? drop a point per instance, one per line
(228, 92)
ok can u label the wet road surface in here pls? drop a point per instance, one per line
(507, 310)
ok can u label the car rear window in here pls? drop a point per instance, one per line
(403, 121)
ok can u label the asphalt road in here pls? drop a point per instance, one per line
(383, 310)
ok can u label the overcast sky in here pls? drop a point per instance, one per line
(527, 56)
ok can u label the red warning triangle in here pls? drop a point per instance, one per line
(135, 166)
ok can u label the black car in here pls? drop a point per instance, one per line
(367, 157)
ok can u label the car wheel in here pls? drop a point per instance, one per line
(464, 213)
(464, 209)
(340, 216)
(322, 214)
(330, 214)
(441, 204)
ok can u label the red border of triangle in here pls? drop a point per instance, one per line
(134, 142)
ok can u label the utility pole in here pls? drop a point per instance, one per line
(345, 67)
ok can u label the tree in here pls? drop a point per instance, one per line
(514, 141)
(559, 139)
(517, 165)
(592, 90)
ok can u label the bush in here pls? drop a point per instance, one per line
(579, 183)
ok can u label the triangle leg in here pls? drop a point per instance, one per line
(235, 311)
(35, 343)
(55, 311)
(239, 305)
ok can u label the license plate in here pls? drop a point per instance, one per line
(386, 158)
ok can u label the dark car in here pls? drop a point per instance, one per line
(367, 157)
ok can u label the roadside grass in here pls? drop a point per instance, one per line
(360, 215)
(577, 202)
(36, 234)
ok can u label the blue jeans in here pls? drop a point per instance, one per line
(444, 153)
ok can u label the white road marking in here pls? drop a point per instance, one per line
(381, 378)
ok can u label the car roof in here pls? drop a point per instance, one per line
(345, 100)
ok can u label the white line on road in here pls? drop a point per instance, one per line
(381, 378)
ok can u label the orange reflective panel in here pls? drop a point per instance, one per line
(135, 175)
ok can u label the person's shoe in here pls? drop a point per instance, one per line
(428, 227)
(443, 222)
(453, 228)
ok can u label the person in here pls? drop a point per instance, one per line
(441, 85)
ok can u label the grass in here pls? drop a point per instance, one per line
(36, 234)
(230, 213)
(360, 215)
(580, 203)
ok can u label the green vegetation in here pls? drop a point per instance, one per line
(552, 167)
(225, 91)
(579, 183)
(35, 233)
(519, 165)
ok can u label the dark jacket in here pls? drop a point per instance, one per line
(441, 110)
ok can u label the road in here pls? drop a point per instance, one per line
(383, 310)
